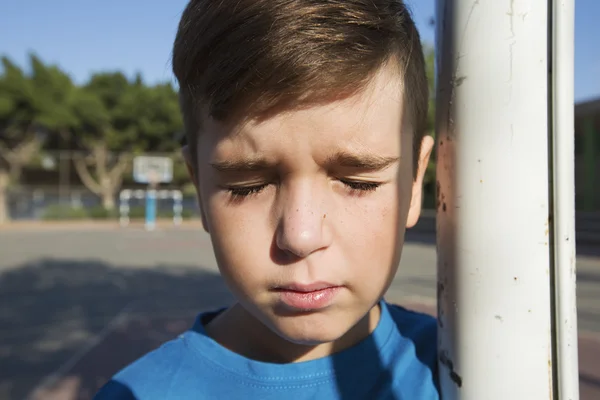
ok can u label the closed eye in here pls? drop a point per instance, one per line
(240, 192)
(357, 186)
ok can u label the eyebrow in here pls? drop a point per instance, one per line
(242, 165)
(372, 162)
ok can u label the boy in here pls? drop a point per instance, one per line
(305, 128)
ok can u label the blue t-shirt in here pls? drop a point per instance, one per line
(397, 361)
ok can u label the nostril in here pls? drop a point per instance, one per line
(281, 256)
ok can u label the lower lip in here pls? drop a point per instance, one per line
(309, 301)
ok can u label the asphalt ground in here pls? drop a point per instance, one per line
(78, 302)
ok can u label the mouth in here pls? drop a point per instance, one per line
(308, 297)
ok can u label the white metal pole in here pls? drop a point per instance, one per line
(563, 171)
(177, 207)
(124, 197)
(495, 239)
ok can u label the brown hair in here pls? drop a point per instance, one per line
(240, 59)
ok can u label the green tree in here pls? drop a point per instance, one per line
(117, 119)
(95, 162)
(150, 115)
(108, 120)
(32, 106)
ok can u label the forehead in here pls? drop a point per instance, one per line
(372, 116)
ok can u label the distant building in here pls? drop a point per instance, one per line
(587, 155)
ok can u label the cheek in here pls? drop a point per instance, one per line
(372, 249)
(241, 238)
(371, 228)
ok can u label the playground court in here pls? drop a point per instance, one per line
(79, 302)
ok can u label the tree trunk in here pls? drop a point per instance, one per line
(4, 181)
(108, 201)
(108, 198)
(12, 161)
(107, 179)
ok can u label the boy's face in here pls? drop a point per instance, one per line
(307, 210)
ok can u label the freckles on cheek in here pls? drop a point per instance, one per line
(384, 222)
(376, 221)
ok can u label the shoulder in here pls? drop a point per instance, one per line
(413, 324)
(419, 331)
(115, 390)
(148, 376)
(418, 328)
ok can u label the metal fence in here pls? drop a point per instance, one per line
(28, 203)
(31, 203)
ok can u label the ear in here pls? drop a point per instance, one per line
(417, 188)
(187, 156)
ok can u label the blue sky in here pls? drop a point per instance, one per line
(84, 36)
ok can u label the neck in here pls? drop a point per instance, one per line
(262, 344)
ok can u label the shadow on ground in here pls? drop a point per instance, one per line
(53, 314)
(82, 321)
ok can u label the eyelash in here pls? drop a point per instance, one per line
(362, 187)
(242, 192)
(353, 186)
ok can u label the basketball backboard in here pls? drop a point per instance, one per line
(149, 169)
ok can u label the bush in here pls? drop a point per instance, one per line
(63, 212)
(99, 212)
(138, 212)
(186, 214)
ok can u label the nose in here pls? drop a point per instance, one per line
(302, 228)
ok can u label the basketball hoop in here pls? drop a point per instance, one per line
(152, 170)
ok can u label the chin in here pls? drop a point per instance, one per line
(311, 329)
